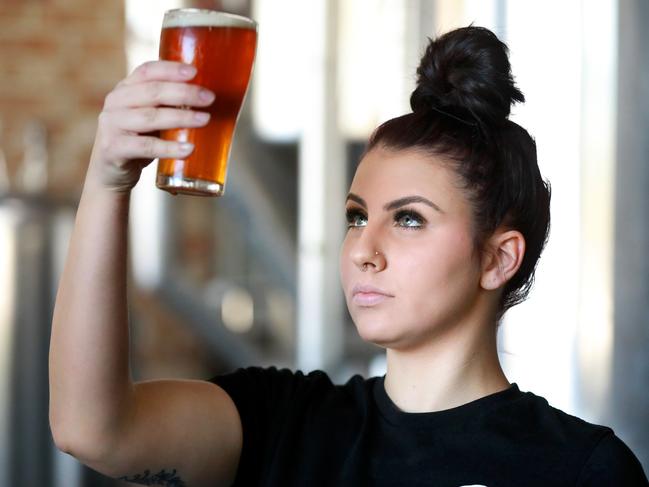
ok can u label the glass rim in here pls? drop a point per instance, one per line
(207, 11)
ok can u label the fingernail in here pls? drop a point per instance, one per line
(206, 95)
(188, 71)
(186, 146)
(201, 117)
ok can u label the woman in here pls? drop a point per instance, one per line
(447, 216)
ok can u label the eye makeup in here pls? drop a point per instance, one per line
(412, 216)
(407, 218)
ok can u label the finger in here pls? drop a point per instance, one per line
(160, 71)
(140, 147)
(143, 120)
(158, 93)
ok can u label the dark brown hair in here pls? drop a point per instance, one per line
(460, 111)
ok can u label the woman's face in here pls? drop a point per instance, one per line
(404, 205)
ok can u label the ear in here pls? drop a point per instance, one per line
(503, 258)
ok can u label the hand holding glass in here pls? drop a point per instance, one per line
(222, 48)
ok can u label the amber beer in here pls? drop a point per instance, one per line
(222, 48)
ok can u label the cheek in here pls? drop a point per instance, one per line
(440, 267)
(344, 263)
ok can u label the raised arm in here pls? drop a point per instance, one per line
(97, 413)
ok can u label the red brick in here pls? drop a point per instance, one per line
(89, 7)
(19, 9)
(11, 103)
(60, 59)
(85, 27)
(33, 45)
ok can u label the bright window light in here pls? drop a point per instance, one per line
(545, 325)
(278, 85)
(374, 78)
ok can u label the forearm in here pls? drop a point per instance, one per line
(90, 381)
(91, 389)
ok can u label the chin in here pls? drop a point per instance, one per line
(377, 332)
(389, 332)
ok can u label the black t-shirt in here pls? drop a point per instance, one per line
(302, 430)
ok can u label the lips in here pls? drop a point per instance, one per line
(366, 295)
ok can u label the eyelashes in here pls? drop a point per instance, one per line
(352, 215)
(408, 219)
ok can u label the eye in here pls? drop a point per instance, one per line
(355, 218)
(409, 219)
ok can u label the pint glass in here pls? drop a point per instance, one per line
(222, 48)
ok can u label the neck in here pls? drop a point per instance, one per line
(450, 370)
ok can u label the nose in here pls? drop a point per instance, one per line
(365, 254)
(374, 263)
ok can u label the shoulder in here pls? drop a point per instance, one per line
(270, 382)
(270, 372)
(598, 454)
(611, 462)
(533, 414)
(275, 383)
(271, 400)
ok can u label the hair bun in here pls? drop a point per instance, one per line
(466, 73)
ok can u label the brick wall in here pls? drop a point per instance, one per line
(58, 60)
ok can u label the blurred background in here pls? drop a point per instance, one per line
(252, 278)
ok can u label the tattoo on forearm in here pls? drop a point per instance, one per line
(166, 479)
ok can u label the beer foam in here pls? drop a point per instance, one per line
(196, 17)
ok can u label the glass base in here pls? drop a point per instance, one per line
(196, 187)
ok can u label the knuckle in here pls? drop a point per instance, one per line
(150, 115)
(103, 117)
(144, 69)
(155, 92)
(148, 146)
(109, 99)
(106, 144)
(122, 163)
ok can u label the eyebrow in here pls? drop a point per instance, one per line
(398, 203)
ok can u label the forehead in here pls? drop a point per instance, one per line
(385, 174)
